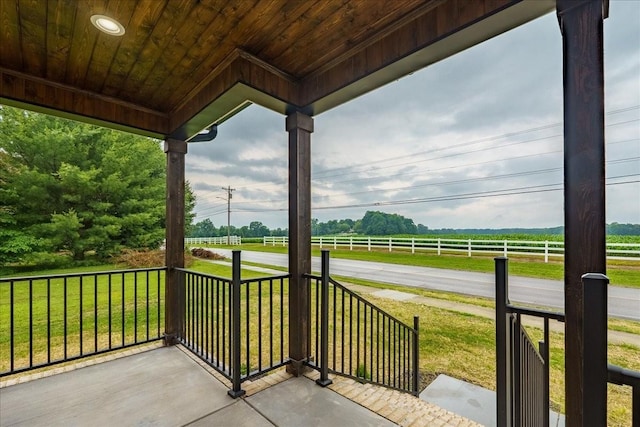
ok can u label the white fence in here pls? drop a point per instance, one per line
(546, 249)
(234, 240)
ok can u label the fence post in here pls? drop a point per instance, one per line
(236, 391)
(546, 251)
(469, 247)
(416, 351)
(320, 242)
(506, 245)
(369, 244)
(390, 244)
(438, 246)
(413, 245)
(351, 243)
(594, 341)
(503, 377)
(324, 322)
(335, 242)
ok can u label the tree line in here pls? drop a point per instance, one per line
(375, 223)
(206, 228)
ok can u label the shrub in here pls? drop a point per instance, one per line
(206, 254)
(147, 258)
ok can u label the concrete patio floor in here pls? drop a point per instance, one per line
(166, 386)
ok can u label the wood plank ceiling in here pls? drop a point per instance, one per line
(185, 64)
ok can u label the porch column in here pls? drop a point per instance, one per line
(174, 255)
(581, 23)
(299, 127)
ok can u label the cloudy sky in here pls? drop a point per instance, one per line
(474, 141)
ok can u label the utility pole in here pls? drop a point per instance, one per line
(228, 190)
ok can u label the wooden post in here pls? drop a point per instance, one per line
(174, 252)
(594, 339)
(299, 127)
(581, 24)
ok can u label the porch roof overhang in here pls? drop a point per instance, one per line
(183, 65)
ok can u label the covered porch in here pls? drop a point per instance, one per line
(182, 68)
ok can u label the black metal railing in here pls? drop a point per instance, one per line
(238, 327)
(46, 320)
(522, 371)
(626, 377)
(352, 337)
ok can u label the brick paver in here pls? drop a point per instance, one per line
(400, 408)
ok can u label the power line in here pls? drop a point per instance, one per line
(478, 141)
(464, 196)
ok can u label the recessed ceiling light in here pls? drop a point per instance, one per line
(107, 25)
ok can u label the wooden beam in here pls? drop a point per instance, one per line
(45, 96)
(240, 78)
(174, 252)
(299, 127)
(581, 23)
(434, 32)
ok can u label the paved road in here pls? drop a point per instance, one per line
(623, 302)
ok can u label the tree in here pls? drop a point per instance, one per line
(74, 187)
(379, 223)
(204, 228)
(257, 229)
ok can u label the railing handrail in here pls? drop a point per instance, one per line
(367, 303)
(359, 298)
(544, 314)
(229, 279)
(622, 376)
(88, 273)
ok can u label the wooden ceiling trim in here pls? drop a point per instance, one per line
(238, 68)
(160, 46)
(33, 22)
(400, 24)
(364, 19)
(393, 46)
(412, 48)
(18, 88)
(106, 47)
(10, 31)
(60, 26)
(139, 27)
